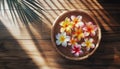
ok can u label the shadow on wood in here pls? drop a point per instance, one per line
(12, 55)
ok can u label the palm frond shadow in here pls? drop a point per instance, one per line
(9, 46)
(28, 11)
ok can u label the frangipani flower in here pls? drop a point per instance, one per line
(62, 39)
(66, 25)
(88, 43)
(77, 21)
(90, 29)
(73, 41)
(76, 50)
(76, 35)
(79, 33)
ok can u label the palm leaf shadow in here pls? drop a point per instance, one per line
(26, 10)
(9, 46)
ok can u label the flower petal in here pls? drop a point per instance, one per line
(90, 23)
(79, 17)
(91, 39)
(69, 43)
(83, 44)
(93, 33)
(58, 42)
(72, 17)
(84, 28)
(67, 19)
(64, 44)
(64, 33)
(57, 36)
(67, 38)
(72, 51)
(61, 24)
(95, 28)
(78, 46)
(81, 24)
(88, 48)
(62, 29)
(77, 25)
(86, 33)
(81, 52)
(92, 46)
(77, 54)
(86, 39)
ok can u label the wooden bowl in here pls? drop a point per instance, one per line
(80, 49)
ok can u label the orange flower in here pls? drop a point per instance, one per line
(79, 33)
(73, 41)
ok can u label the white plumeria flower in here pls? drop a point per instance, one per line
(62, 39)
(77, 21)
(88, 43)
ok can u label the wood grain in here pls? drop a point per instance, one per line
(30, 47)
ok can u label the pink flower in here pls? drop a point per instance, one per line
(76, 50)
(90, 29)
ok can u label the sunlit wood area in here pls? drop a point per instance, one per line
(29, 46)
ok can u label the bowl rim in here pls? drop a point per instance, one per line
(76, 58)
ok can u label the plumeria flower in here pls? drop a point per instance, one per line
(66, 25)
(90, 29)
(62, 38)
(77, 21)
(88, 43)
(73, 41)
(79, 33)
(76, 50)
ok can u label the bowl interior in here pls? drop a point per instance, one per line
(66, 51)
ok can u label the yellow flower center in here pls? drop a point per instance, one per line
(75, 20)
(62, 38)
(73, 42)
(66, 25)
(78, 32)
(88, 43)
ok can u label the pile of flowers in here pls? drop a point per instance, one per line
(77, 34)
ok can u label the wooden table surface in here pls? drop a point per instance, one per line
(30, 47)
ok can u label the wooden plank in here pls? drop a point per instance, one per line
(39, 31)
(76, 4)
(47, 48)
(105, 55)
(27, 47)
